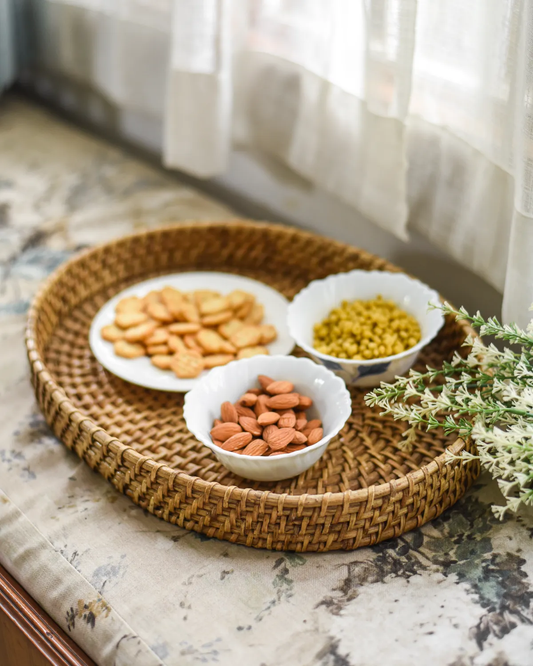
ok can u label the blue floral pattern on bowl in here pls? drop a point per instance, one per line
(368, 375)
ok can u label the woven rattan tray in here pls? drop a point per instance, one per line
(363, 490)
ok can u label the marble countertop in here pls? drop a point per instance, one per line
(132, 590)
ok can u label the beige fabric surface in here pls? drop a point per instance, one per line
(132, 590)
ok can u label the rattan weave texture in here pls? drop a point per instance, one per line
(363, 490)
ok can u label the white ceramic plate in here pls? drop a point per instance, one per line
(140, 371)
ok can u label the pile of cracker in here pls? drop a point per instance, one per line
(188, 332)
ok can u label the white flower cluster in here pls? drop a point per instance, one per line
(487, 396)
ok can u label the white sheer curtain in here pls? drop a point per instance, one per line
(470, 140)
(415, 112)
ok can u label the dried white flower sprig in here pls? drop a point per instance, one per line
(487, 396)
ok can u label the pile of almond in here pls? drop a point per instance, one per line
(269, 421)
(188, 332)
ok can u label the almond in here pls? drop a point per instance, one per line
(244, 411)
(256, 448)
(307, 429)
(294, 447)
(300, 424)
(277, 388)
(279, 439)
(315, 436)
(260, 406)
(269, 431)
(283, 401)
(264, 423)
(225, 430)
(299, 438)
(287, 421)
(250, 425)
(248, 399)
(228, 412)
(264, 381)
(237, 441)
(277, 453)
(285, 412)
(305, 402)
(268, 418)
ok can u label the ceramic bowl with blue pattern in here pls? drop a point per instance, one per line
(316, 301)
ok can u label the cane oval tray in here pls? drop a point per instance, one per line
(364, 489)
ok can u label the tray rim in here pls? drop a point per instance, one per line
(147, 463)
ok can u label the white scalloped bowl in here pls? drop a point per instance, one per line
(315, 302)
(331, 403)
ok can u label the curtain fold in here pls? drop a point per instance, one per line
(470, 140)
(460, 200)
(7, 44)
(415, 112)
(197, 120)
(325, 87)
(518, 285)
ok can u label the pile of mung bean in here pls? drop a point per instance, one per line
(366, 330)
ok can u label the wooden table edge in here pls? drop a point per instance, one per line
(30, 619)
